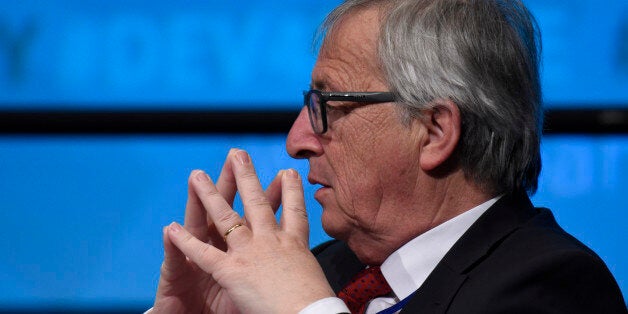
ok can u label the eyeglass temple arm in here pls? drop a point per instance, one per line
(360, 96)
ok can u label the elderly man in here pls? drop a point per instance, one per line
(422, 127)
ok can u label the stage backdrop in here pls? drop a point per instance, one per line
(83, 214)
(118, 54)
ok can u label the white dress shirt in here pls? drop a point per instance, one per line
(407, 268)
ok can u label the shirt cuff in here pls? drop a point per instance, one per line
(326, 306)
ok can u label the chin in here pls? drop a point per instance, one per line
(334, 224)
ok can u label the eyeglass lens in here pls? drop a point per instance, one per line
(314, 106)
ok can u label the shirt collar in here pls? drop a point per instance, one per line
(407, 268)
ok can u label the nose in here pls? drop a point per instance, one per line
(302, 142)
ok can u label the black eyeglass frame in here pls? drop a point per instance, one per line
(324, 97)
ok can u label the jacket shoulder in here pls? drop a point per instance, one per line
(540, 267)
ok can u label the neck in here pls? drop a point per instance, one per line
(431, 206)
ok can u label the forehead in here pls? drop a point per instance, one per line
(348, 59)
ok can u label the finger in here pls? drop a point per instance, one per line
(219, 212)
(195, 215)
(226, 183)
(294, 215)
(202, 254)
(257, 207)
(196, 218)
(174, 259)
(273, 192)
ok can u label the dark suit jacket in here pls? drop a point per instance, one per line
(513, 259)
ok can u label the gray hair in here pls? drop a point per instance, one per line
(484, 56)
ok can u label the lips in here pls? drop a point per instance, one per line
(316, 181)
(318, 195)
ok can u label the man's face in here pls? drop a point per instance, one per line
(367, 161)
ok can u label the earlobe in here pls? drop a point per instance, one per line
(443, 123)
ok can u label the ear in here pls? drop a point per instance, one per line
(443, 133)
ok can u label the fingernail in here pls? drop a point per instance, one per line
(174, 227)
(292, 173)
(202, 176)
(243, 157)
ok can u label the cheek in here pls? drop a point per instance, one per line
(347, 186)
(357, 186)
(368, 160)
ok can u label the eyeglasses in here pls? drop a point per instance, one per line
(316, 102)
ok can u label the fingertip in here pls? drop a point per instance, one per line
(242, 157)
(232, 150)
(169, 247)
(174, 227)
(291, 173)
(201, 176)
(277, 180)
(193, 176)
(231, 153)
(273, 191)
(176, 237)
(173, 232)
(165, 237)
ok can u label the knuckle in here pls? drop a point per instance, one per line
(203, 252)
(260, 201)
(226, 218)
(295, 209)
(248, 174)
(294, 187)
(187, 238)
(211, 193)
(290, 241)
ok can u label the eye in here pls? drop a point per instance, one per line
(337, 112)
(341, 107)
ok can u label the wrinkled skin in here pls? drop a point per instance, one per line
(247, 271)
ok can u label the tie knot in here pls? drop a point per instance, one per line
(365, 286)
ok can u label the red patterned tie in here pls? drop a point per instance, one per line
(365, 286)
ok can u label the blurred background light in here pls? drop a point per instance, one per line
(83, 213)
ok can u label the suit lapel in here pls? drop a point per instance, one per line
(436, 299)
(504, 217)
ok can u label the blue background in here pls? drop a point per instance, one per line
(210, 54)
(82, 215)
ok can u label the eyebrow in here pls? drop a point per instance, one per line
(319, 84)
(325, 85)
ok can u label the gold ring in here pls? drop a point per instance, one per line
(234, 227)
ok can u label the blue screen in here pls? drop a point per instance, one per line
(83, 215)
(69, 54)
(121, 54)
